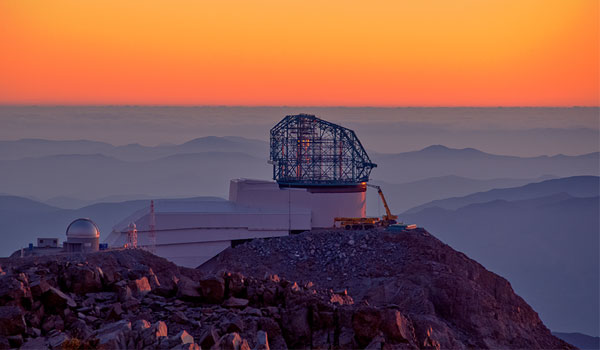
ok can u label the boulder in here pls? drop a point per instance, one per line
(58, 340)
(56, 301)
(209, 338)
(366, 323)
(114, 335)
(38, 287)
(271, 327)
(187, 289)
(212, 289)
(83, 279)
(376, 343)
(115, 312)
(232, 341)
(123, 291)
(35, 344)
(188, 346)
(397, 327)
(159, 329)
(150, 334)
(179, 317)
(53, 322)
(14, 291)
(236, 324)
(140, 286)
(236, 303)
(262, 341)
(15, 341)
(182, 337)
(296, 329)
(80, 330)
(132, 304)
(140, 325)
(235, 285)
(12, 321)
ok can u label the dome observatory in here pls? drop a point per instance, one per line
(83, 235)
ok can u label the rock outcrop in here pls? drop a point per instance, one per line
(411, 289)
(411, 292)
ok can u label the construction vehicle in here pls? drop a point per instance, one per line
(356, 223)
(388, 219)
(369, 222)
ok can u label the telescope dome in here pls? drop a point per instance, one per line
(83, 228)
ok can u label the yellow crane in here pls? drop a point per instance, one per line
(388, 218)
(368, 223)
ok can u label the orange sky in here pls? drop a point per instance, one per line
(287, 52)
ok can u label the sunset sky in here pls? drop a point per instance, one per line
(354, 53)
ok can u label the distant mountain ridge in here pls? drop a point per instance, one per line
(89, 170)
(582, 341)
(97, 175)
(407, 195)
(34, 148)
(472, 163)
(577, 186)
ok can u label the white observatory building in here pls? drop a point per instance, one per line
(82, 236)
(320, 171)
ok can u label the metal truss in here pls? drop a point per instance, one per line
(308, 151)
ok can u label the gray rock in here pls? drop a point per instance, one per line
(187, 289)
(114, 335)
(56, 301)
(12, 321)
(182, 337)
(209, 338)
(179, 317)
(237, 303)
(35, 344)
(213, 289)
(262, 341)
(57, 340)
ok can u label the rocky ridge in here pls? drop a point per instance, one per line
(131, 299)
(449, 300)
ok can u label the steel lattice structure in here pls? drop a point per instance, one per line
(308, 151)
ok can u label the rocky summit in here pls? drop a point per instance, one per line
(440, 297)
(321, 290)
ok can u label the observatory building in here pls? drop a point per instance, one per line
(82, 236)
(320, 171)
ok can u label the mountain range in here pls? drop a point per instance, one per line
(71, 174)
(472, 163)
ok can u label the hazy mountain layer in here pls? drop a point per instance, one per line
(517, 131)
(441, 161)
(410, 194)
(577, 186)
(195, 169)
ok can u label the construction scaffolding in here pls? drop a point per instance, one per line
(308, 151)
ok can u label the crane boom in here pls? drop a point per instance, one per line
(388, 214)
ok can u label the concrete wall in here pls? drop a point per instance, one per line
(324, 207)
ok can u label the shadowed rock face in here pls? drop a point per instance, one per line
(413, 292)
(442, 298)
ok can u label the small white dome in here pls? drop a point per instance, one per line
(131, 226)
(83, 228)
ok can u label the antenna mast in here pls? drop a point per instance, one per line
(152, 232)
